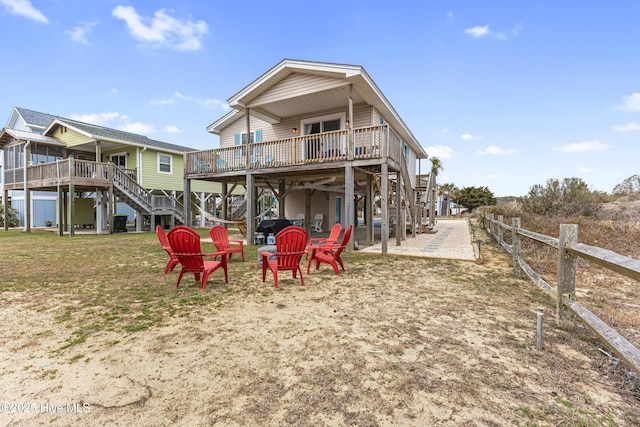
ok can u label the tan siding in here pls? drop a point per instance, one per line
(240, 126)
(362, 115)
(376, 116)
(361, 112)
(319, 204)
(297, 85)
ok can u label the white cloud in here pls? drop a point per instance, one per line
(477, 31)
(440, 151)
(581, 147)
(163, 28)
(125, 123)
(628, 127)
(469, 137)
(631, 102)
(79, 34)
(450, 14)
(181, 96)
(99, 119)
(172, 129)
(138, 127)
(24, 8)
(495, 151)
(216, 104)
(161, 101)
(114, 91)
(484, 31)
(585, 170)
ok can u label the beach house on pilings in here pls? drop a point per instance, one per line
(71, 174)
(322, 139)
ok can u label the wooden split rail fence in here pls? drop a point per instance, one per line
(569, 250)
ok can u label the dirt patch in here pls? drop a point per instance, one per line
(391, 341)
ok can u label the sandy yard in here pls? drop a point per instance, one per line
(395, 341)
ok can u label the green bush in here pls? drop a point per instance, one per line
(571, 196)
(12, 219)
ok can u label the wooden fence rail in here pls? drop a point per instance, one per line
(564, 293)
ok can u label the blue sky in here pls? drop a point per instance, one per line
(507, 93)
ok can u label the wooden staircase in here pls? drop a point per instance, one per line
(142, 200)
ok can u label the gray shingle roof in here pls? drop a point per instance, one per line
(99, 132)
(35, 118)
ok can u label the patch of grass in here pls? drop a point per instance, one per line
(81, 335)
(137, 327)
(49, 374)
(564, 402)
(75, 358)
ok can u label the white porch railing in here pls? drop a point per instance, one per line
(370, 142)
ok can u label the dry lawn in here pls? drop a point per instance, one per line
(396, 341)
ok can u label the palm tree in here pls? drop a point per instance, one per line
(447, 190)
(436, 167)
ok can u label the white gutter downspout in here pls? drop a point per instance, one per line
(139, 164)
(27, 199)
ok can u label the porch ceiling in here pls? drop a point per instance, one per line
(311, 103)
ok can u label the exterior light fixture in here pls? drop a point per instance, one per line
(346, 124)
(294, 130)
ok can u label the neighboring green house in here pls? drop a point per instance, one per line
(78, 174)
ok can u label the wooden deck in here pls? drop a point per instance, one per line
(330, 150)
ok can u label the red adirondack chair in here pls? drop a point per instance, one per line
(330, 254)
(334, 234)
(186, 247)
(173, 261)
(290, 246)
(220, 237)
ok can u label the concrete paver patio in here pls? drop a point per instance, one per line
(452, 240)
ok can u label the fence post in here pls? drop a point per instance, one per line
(566, 270)
(515, 246)
(490, 227)
(500, 230)
(494, 235)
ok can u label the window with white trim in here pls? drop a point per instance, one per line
(164, 163)
(405, 152)
(251, 139)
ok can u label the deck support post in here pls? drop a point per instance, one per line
(281, 202)
(384, 205)
(60, 206)
(186, 200)
(72, 209)
(5, 207)
(349, 202)
(400, 219)
(307, 209)
(368, 213)
(27, 193)
(251, 204)
(224, 203)
(203, 208)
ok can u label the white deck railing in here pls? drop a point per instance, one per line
(372, 142)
